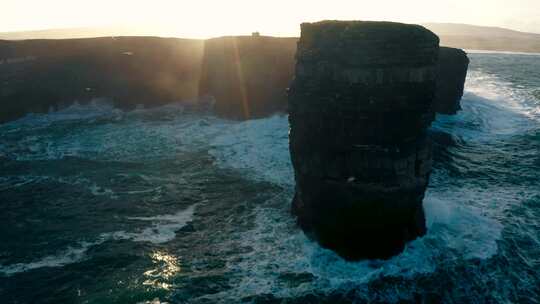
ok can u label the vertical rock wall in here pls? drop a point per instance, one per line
(359, 108)
(452, 73)
(247, 76)
(38, 75)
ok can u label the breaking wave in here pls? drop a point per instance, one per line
(162, 230)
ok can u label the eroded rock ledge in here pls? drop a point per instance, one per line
(359, 108)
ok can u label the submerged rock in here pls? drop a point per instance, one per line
(359, 108)
(452, 73)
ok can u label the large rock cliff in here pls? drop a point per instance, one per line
(452, 73)
(39, 75)
(359, 108)
(247, 76)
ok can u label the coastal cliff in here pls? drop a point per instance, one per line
(359, 108)
(452, 73)
(42, 75)
(247, 75)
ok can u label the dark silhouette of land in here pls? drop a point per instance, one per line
(242, 76)
(464, 36)
(42, 75)
(246, 75)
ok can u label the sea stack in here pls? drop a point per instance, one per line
(359, 108)
(452, 72)
(247, 76)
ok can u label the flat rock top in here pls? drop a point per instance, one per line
(367, 30)
(449, 54)
(360, 43)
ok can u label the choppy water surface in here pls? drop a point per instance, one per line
(148, 206)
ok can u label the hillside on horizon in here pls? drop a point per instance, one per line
(73, 33)
(463, 36)
(475, 37)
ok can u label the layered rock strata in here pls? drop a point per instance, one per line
(452, 73)
(359, 108)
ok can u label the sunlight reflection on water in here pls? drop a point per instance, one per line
(166, 266)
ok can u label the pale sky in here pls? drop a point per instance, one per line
(207, 18)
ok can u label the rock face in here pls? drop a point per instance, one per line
(452, 72)
(248, 76)
(359, 108)
(39, 75)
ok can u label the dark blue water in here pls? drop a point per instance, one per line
(166, 206)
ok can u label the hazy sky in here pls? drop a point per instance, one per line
(204, 18)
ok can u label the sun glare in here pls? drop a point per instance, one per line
(207, 18)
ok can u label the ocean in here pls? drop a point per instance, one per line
(166, 205)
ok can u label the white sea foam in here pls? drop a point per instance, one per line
(260, 147)
(94, 109)
(502, 94)
(176, 131)
(467, 229)
(280, 247)
(69, 256)
(104, 140)
(162, 230)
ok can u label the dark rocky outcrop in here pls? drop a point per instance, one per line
(39, 75)
(452, 73)
(248, 76)
(359, 108)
